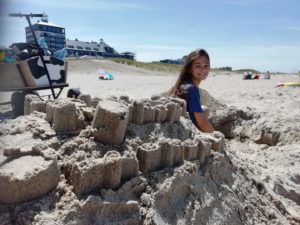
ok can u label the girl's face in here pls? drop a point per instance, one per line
(200, 68)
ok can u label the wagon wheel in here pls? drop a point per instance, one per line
(73, 93)
(17, 102)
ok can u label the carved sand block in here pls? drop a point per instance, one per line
(65, 116)
(178, 113)
(130, 167)
(191, 150)
(182, 104)
(172, 152)
(167, 153)
(86, 175)
(27, 101)
(39, 106)
(50, 110)
(113, 169)
(33, 103)
(178, 152)
(161, 113)
(204, 146)
(91, 174)
(110, 121)
(28, 177)
(149, 113)
(149, 157)
(86, 99)
(137, 112)
(174, 112)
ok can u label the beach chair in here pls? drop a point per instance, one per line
(33, 73)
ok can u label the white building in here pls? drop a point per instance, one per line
(54, 34)
(80, 48)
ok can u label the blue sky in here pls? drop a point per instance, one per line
(260, 34)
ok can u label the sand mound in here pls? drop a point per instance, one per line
(128, 162)
(268, 148)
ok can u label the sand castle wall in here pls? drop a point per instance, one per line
(156, 110)
(168, 153)
(87, 167)
(106, 172)
(64, 115)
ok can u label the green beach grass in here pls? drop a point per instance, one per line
(173, 68)
(246, 70)
(156, 66)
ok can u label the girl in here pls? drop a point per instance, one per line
(195, 69)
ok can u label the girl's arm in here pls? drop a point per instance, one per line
(203, 123)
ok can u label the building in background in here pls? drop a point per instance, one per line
(54, 35)
(55, 38)
(127, 55)
(101, 49)
(174, 61)
(226, 68)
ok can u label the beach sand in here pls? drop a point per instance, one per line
(251, 177)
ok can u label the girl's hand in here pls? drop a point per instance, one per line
(203, 123)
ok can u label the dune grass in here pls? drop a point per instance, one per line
(156, 66)
(246, 70)
(173, 68)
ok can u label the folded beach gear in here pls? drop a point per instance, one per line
(104, 75)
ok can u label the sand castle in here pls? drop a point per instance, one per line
(123, 161)
(106, 124)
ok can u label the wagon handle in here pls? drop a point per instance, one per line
(27, 15)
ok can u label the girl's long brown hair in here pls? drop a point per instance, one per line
(185, 74)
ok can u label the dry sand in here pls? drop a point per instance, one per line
(165, 171)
